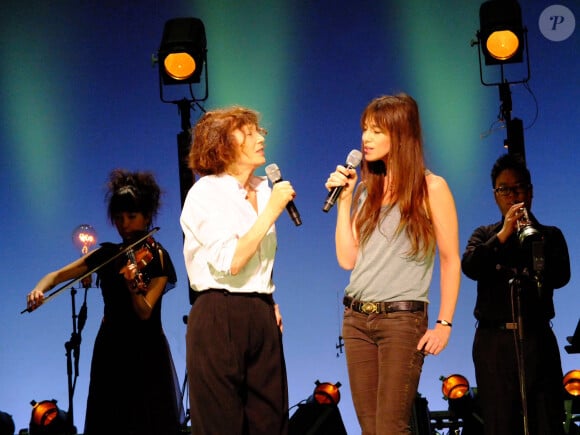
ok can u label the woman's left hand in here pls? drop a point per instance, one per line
(278, 317)
(434, 340)
(129, 272)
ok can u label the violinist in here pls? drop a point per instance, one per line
(133, 385)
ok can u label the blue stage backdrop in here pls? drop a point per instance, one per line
(79, 96)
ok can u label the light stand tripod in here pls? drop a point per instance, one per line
(182, 60)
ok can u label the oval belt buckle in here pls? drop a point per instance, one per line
(370, 308)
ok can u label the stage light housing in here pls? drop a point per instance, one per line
(454, 386)
(319, 414)
(462, 400)
(326, 393)
(501, 32)
(182, 52)
(48, 419)
(571, 383)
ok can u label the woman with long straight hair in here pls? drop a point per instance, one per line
(387, 233)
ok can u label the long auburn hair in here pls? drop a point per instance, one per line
(397, 115)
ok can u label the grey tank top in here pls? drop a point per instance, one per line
(385, 272)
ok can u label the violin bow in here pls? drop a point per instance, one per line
(93, 270)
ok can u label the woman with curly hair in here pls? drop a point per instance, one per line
(133, 387)
(387, 236)
(235, 362)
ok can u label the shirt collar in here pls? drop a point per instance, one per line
(259, 183)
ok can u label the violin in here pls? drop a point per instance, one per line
(139, 258)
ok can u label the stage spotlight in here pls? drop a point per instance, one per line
(501, 33)
(48, 419)
(571, 382)
(182, 53)
(463, 403)
(326, 393)
(182, 60)
(319, 414)
(502, 39)
(454, 386)
(6, 424)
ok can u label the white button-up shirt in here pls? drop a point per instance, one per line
(214, 216)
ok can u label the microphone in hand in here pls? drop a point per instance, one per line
(352, 161)
(274, 175)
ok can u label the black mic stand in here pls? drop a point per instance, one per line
(516, 290)
(73, 349)
(184, 390)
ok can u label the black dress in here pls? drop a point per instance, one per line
(133, 384)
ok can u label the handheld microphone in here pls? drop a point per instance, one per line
(274, 175)
(352, 161)
(538, 263)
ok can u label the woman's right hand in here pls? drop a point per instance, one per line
(73, 270)
(342, 177)
(34, 299)
(282, 194)
(510, 221)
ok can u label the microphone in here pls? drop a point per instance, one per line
(274, 175)
(352, 161)
(538, 263)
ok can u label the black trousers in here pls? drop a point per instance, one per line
(235, 365)
(498, 381)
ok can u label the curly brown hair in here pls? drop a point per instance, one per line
(399, 116)
(132, 192)
(213, 147)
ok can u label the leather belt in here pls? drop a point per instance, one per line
(504, 326)
(383, 307)
(265, 296)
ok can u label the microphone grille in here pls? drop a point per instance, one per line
(354, 158)
(273, 172)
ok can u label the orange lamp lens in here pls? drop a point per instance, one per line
(179, 66)
(327, 394)
(455, 386)
(44, 412)
(571, 382)
(502, 44)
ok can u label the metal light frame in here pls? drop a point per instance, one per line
(183, 36)
(498, 15)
